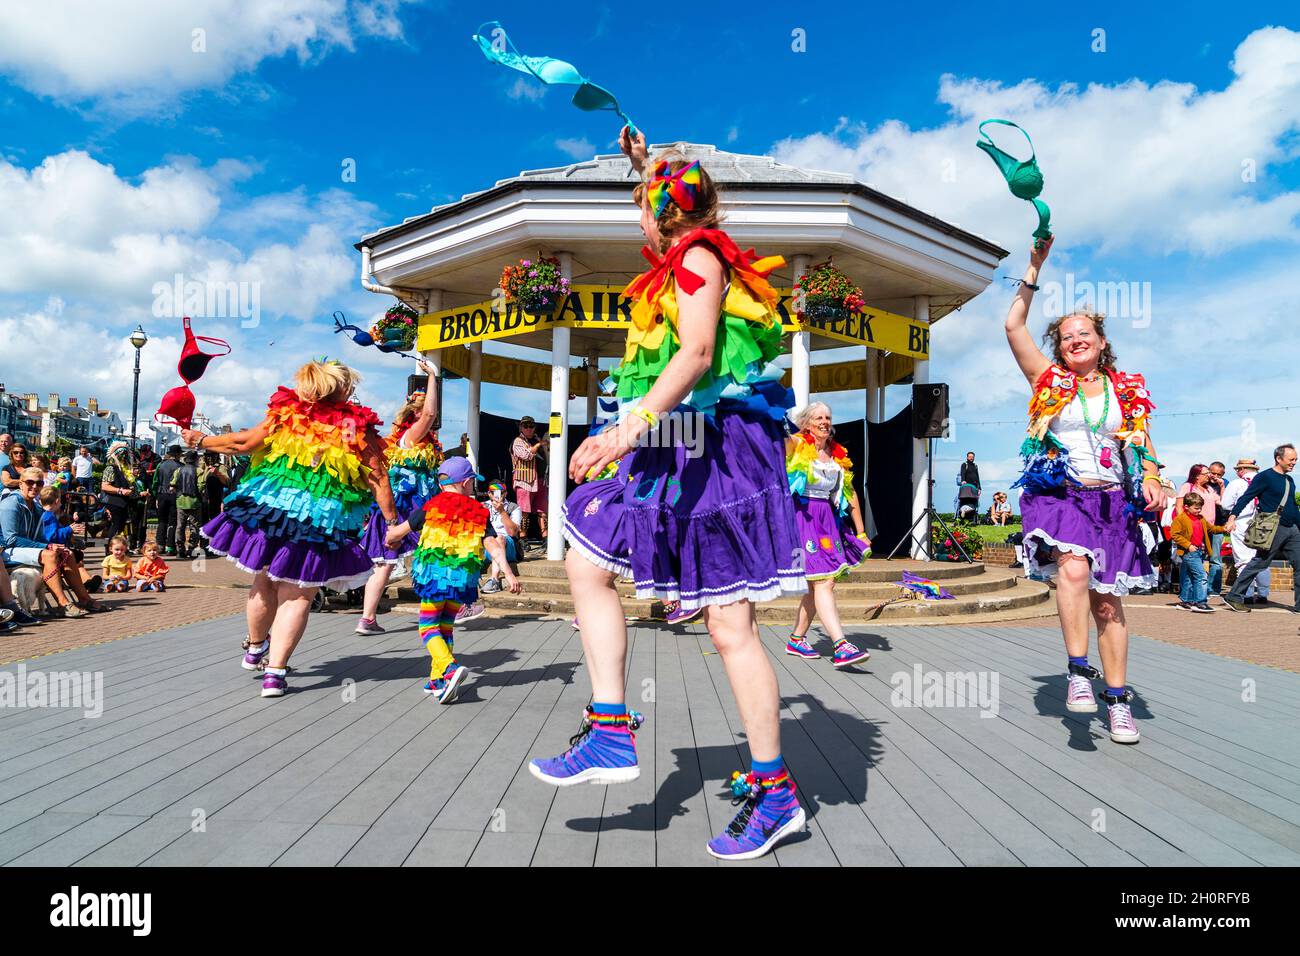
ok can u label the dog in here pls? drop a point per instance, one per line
(30, 590)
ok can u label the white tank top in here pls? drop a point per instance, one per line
(826, 477)
(1094, 456)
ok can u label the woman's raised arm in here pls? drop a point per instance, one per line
(1028, 356)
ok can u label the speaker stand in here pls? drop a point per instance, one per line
(925, 544)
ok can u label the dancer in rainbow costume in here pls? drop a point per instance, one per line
(821, 480)
(708, 521)
(455, 536)
(293, 521)
(413, 455)
(1090, 471)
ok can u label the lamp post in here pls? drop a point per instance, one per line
(138, 339)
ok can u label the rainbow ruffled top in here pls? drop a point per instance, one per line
(748, 338)
(449, 555)
(799, 470)
(307, 482)
(412, 472)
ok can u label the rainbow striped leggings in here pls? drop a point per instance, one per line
(437, 619)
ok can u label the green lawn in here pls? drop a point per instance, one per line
(991, 534)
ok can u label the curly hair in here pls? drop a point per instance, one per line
(675, 220)
(1052, 337)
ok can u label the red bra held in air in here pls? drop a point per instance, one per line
(177, 406)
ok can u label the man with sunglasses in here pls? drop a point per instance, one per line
(22, 538)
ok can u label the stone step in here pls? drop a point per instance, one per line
(844, 591)
(1022, 595)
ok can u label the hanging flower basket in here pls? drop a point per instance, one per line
(397, 328)
(535, 285)
(828, 294)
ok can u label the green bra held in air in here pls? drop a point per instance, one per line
(1023, 177)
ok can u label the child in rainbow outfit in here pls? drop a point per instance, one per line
(823, 503)
(293, 521)
(1086, 483)
(413, 454)
(712, 525)
(454, 537)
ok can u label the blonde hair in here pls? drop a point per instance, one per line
(317, 381)
(675, 220)
(115, 540)
(801, 416)
(408, 412)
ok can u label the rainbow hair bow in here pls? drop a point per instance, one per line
(681, 187)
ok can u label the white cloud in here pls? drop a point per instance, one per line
(79, 231)
(525, 89)
(139, 55)
(1126, 165)
(577, 148)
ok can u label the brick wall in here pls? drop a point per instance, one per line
(998, 555)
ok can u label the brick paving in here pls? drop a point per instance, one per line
(196, 591)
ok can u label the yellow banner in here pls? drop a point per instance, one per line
(516, 373)
(605, 306)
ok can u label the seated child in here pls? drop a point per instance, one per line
(117, 566)
(151, 570)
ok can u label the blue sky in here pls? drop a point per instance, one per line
(126, 156)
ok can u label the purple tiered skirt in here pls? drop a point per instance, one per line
(340, 564)
(1093, 523)
(709, 525)
(374, 540)
(829, 548)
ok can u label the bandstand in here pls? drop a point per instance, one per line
(913, 268)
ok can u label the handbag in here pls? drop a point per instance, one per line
(1263, 530)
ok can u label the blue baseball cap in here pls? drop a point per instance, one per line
(455, 470)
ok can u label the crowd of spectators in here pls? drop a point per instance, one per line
(54, 510)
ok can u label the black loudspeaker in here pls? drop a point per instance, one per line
(418, 383)
(930, 410)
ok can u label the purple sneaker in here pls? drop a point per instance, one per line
(799, 647)
(447, 687)
(847, 654)
(602, 751)
(255, 660)
(1123, 729)
(469, 613)
(767, 816)
(368, 625)
(674, 614)
(1079, 698)
(274, 685)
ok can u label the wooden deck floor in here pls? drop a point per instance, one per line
(188, 766)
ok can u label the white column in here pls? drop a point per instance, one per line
(559, 460)
(920, 458)
(434, 356)
(593, 374)
(874, 391)
(472, 408)
(800, 348)
(872, 415)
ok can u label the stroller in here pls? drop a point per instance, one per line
(968, 502)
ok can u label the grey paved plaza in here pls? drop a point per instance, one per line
(187, 765)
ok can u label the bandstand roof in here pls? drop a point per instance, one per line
(893, 250)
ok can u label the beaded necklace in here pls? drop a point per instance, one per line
(1105, 409)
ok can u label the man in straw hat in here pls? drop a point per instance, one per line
(526, 476)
